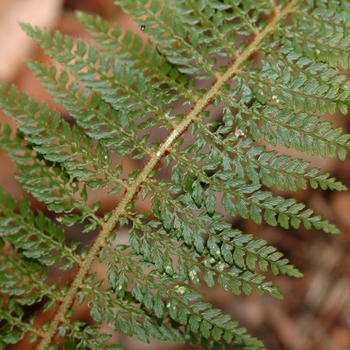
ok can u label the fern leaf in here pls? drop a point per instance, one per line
(245, 75)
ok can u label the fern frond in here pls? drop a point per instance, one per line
(43, 240)
(128, 49)
(246, 75)
(201, 317)
(33, 243)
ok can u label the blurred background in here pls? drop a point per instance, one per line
(315, 313)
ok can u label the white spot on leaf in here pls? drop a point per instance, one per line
(239, 133)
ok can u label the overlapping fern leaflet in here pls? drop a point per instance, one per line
(243, 72)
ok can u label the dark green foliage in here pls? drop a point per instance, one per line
(270, 69)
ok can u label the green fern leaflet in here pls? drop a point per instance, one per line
(215, 86)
